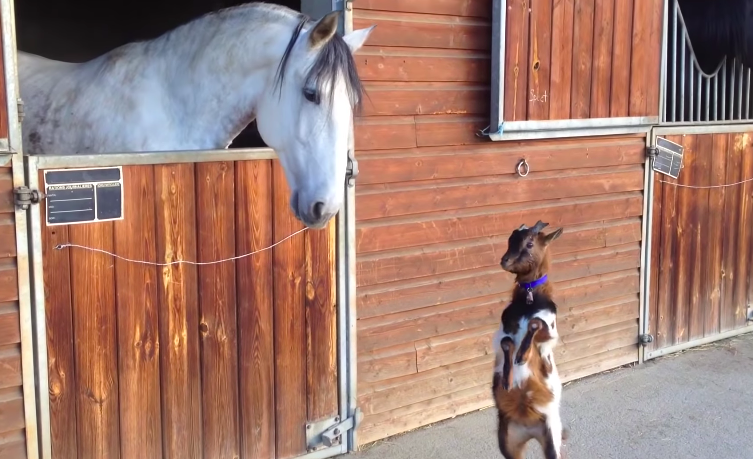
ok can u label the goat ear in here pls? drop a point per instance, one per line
(324, 30)
(552, 236)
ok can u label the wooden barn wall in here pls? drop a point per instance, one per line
(220, 360)
(435, 206)
(576, 59)
(702, 241)
(12, 432)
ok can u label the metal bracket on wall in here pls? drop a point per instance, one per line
(645, 339)
(328, 432)
(351, 172)
(24, 197)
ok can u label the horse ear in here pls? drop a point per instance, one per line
(357, 38)
(324, 30)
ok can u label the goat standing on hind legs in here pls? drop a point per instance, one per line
(526, 386)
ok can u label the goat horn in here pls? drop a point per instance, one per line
(539, 226)
(522, 227)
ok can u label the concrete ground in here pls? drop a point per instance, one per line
(693, 404)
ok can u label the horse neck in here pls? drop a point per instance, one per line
(215, 79)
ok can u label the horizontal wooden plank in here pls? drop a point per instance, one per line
(7, 236)
(476, 283)
(379, 267)
(8, 280)
(6, 191)
(10, 366)
(597, 363)
(13, 444)
(474, 8)
(385, 132)
(405, 418)
(388, 395)
(410, 64)
(414, 30)
(462, 224)
(11, 409)
(415, 164)
(387, 363)
(10, 331)
(597, 341)
(391, 200)
(599, 314)
(453, 348)
(440, 130)
(401, 99)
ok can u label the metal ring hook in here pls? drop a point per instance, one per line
(523, 162)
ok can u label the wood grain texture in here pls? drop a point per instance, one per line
(61, 363)
(601, 68)
(137, 309)
(516, 60)
(11, 409)
(321, 323)
(562, 59)
(430, 65)
(95, 327)
(713, 251)
(255, 284)
(215, 199)
(10, 330)
(539, 60)
(180, 371)
(6, 191)
(583, 35)
(641, 56)
(7, 236)
(474, 8)
(621, 57)
(10, 366)
(3, 98)
(683, 250)
(290, 325)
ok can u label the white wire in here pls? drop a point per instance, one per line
(709, 186)
(176, 262)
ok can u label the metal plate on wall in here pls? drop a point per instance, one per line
(668, 159)
(83, 195)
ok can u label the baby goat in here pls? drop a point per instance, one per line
(526, 385)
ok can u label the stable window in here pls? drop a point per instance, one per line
(575, 67)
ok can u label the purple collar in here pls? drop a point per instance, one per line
(532, 285)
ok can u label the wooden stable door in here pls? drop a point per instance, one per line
(225, 360)
(702, 242)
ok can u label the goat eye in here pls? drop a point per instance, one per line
(529, 245)
(311, 96)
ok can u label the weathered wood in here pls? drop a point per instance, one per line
(699, 279)
(653, 71)
(474, 8)
(61, 363)
(255, 283)
(10, 332)
(321, 323)
(391, 362)
(290, 325)
(215, 198)
(641, 57)
(562, 59)
(539, 60)
(743, 271)
(439, 130)
(13, 444)
(95, 327)
(655, 260)
(602, 59)
(8, 280)
(516, 60)
(381, 201)
(10, 366)
(180, 371)
(621, 58)
(713, 239)
(3, 98)
(426, 98)
(398, 64)
(138, 331)
(11, 409)
(583, 31)
(391, 132)
(423, 31)
(597, 363)
(7, 236)
(445, 350)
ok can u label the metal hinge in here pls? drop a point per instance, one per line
(20, 111)
(645, 338)
(651, 152)
(351, 172)
(25, 197)
(328, 432)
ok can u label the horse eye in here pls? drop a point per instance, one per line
(311, 96)
(529, 245)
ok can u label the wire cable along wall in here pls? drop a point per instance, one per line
(694, 96)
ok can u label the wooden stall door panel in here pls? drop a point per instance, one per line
(289, 325)
(137, 317)
(215, 208)
(255, 284)
(180, 370)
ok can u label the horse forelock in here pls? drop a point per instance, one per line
(333, 60)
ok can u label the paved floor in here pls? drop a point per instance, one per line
(695, 404)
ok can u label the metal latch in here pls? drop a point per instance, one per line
(20, 111)
(351, 172)
(25, 197)
(323, 434)
(645, 339)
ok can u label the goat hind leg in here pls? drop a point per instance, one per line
(511, 445)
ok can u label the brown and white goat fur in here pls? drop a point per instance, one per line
(526, 386)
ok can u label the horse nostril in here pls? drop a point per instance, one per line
(317, 210)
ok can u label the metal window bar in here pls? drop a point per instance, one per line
(694, 96)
